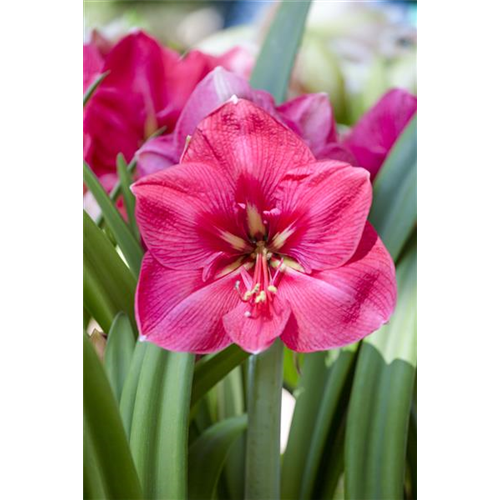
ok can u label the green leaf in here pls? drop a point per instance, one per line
(276, 59)
(108, 285)
(231, 402)
(211, 369)
(119, 352)
(394, 208)
(126, 241)
(108, 464)
(159, 432)
(309, 396)
(328, 484)
(291, 363)
(128, 197)
(338, 375)
(208, 454)
(379, 409)
(129, 392)
(92, 88)
(265, 382)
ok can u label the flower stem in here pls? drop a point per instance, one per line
(262, 480)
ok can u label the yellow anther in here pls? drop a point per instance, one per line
(272, 288)
(261, 297)
(251, 292)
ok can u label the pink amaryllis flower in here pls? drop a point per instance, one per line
(251, 238)
(145, 90)
(310, 116)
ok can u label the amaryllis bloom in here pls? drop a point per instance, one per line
(145, 90)
(310, 116)
(251, 238)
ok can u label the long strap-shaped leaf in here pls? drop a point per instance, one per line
(394, 209)
(129, 392)
(125, 177)
(159, 432)
(212, 369)
(262, 467)
(377, 425)
(126, 241)
(276, 59)
(108, 466)
(208, 454)
(108, 285)
(309, 396)
(119, 352)
(336, 385)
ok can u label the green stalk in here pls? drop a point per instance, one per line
(264, 415)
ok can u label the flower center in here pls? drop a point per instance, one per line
(260, 289)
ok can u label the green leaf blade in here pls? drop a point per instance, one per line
(208, 454)
(159, 430)
(211, 369)
(126, 241)
(119, 352)
(108, 284)
(106, 447)
(129, 199)
(394, 207)
(377, 423)
(276, 59)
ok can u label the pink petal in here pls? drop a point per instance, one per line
(157, 154)
(335, 151)
(325, 206)
(238, 60)
(242, 140)
(340, 306)
(373, 136)
(255, 334)
(213, 91)
(176, 310)
(182, 213)
(311, 117)
(92, 64)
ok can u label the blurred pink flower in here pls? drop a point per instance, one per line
(373, 136)
(146, 89)
(251, 238)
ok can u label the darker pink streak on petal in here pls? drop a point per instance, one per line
(373, 136)
(242, 140)
(213, 91)
(325, 205)
(255, 334)
(92, 64)
(179, 211)
(311, 117)
(176, 310)
(337, 307)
